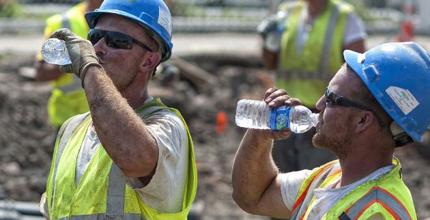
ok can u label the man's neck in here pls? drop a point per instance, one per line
(136, 100)
(317, 8)
(362, 163)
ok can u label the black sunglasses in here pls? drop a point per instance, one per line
(115, 39)
(332, 99)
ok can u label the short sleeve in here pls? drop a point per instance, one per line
(165, 190)
(290, 186)
(354, 30)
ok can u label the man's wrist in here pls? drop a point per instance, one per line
(86, 68)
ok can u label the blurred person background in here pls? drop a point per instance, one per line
(303, 43)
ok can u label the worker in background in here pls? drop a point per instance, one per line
(376, 102)
(130, 157)
(67, 97)
(303, 44)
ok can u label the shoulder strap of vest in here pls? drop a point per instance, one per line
(325, 58)
(310, 183)
(378, 195)
(153, 106)
(64, 134)
(67, 129)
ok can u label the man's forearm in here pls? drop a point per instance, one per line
(121, 131)
(253, 170)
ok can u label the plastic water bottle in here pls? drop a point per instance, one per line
(258, 115)
(54, 51)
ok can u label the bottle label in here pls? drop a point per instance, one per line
(279, 118)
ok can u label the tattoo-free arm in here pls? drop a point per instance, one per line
(121, 131)
(256, 187)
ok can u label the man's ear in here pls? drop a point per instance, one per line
(364, 120)
(151, 61)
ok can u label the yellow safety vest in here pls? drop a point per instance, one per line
(67, 97)
(305, 73)
(387, 196)
(102, 192)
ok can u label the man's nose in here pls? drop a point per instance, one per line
(320, 105)
(100, 47)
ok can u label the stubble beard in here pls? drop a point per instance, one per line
(337, 141)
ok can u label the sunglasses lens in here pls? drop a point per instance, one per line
(118, 40)
(329, 98)
(95, 35)
(113, 39)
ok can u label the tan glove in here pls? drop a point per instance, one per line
(81, 53)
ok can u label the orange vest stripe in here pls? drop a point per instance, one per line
(383, 197)
(302, 196)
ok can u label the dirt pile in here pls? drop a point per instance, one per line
(25, 135)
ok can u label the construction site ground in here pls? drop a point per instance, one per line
(210, 73)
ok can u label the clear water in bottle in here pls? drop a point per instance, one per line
(257, 115)
(54, 51)
(252, 114)
(302, 119)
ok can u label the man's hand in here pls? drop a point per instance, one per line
(81, 52)
(276, 98)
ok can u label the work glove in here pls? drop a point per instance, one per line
(81, 53)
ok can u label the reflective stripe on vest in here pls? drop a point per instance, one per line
(115, 200)
(64, 135)
(382, 196)
(104, 217)
(303, 200)
(75, 85)
(65, 21)
(324, 68)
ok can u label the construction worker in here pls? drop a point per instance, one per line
(376, 102)
(130, 157)
(303, 43)
(67, 97)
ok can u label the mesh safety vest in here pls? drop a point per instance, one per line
(102, 192)
(67, 97)
(386, 196)
(305, 73)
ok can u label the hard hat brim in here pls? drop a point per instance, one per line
(354, 60)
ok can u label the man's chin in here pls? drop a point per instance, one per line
(321, 141)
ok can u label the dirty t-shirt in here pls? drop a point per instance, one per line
(165, 190)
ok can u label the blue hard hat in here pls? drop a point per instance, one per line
(398, 76)
(153, 15)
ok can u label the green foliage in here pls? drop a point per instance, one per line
(9, 8)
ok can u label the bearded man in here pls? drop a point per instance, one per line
(373, 104)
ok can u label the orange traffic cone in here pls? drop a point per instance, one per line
(406, 31)
(221, 122)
